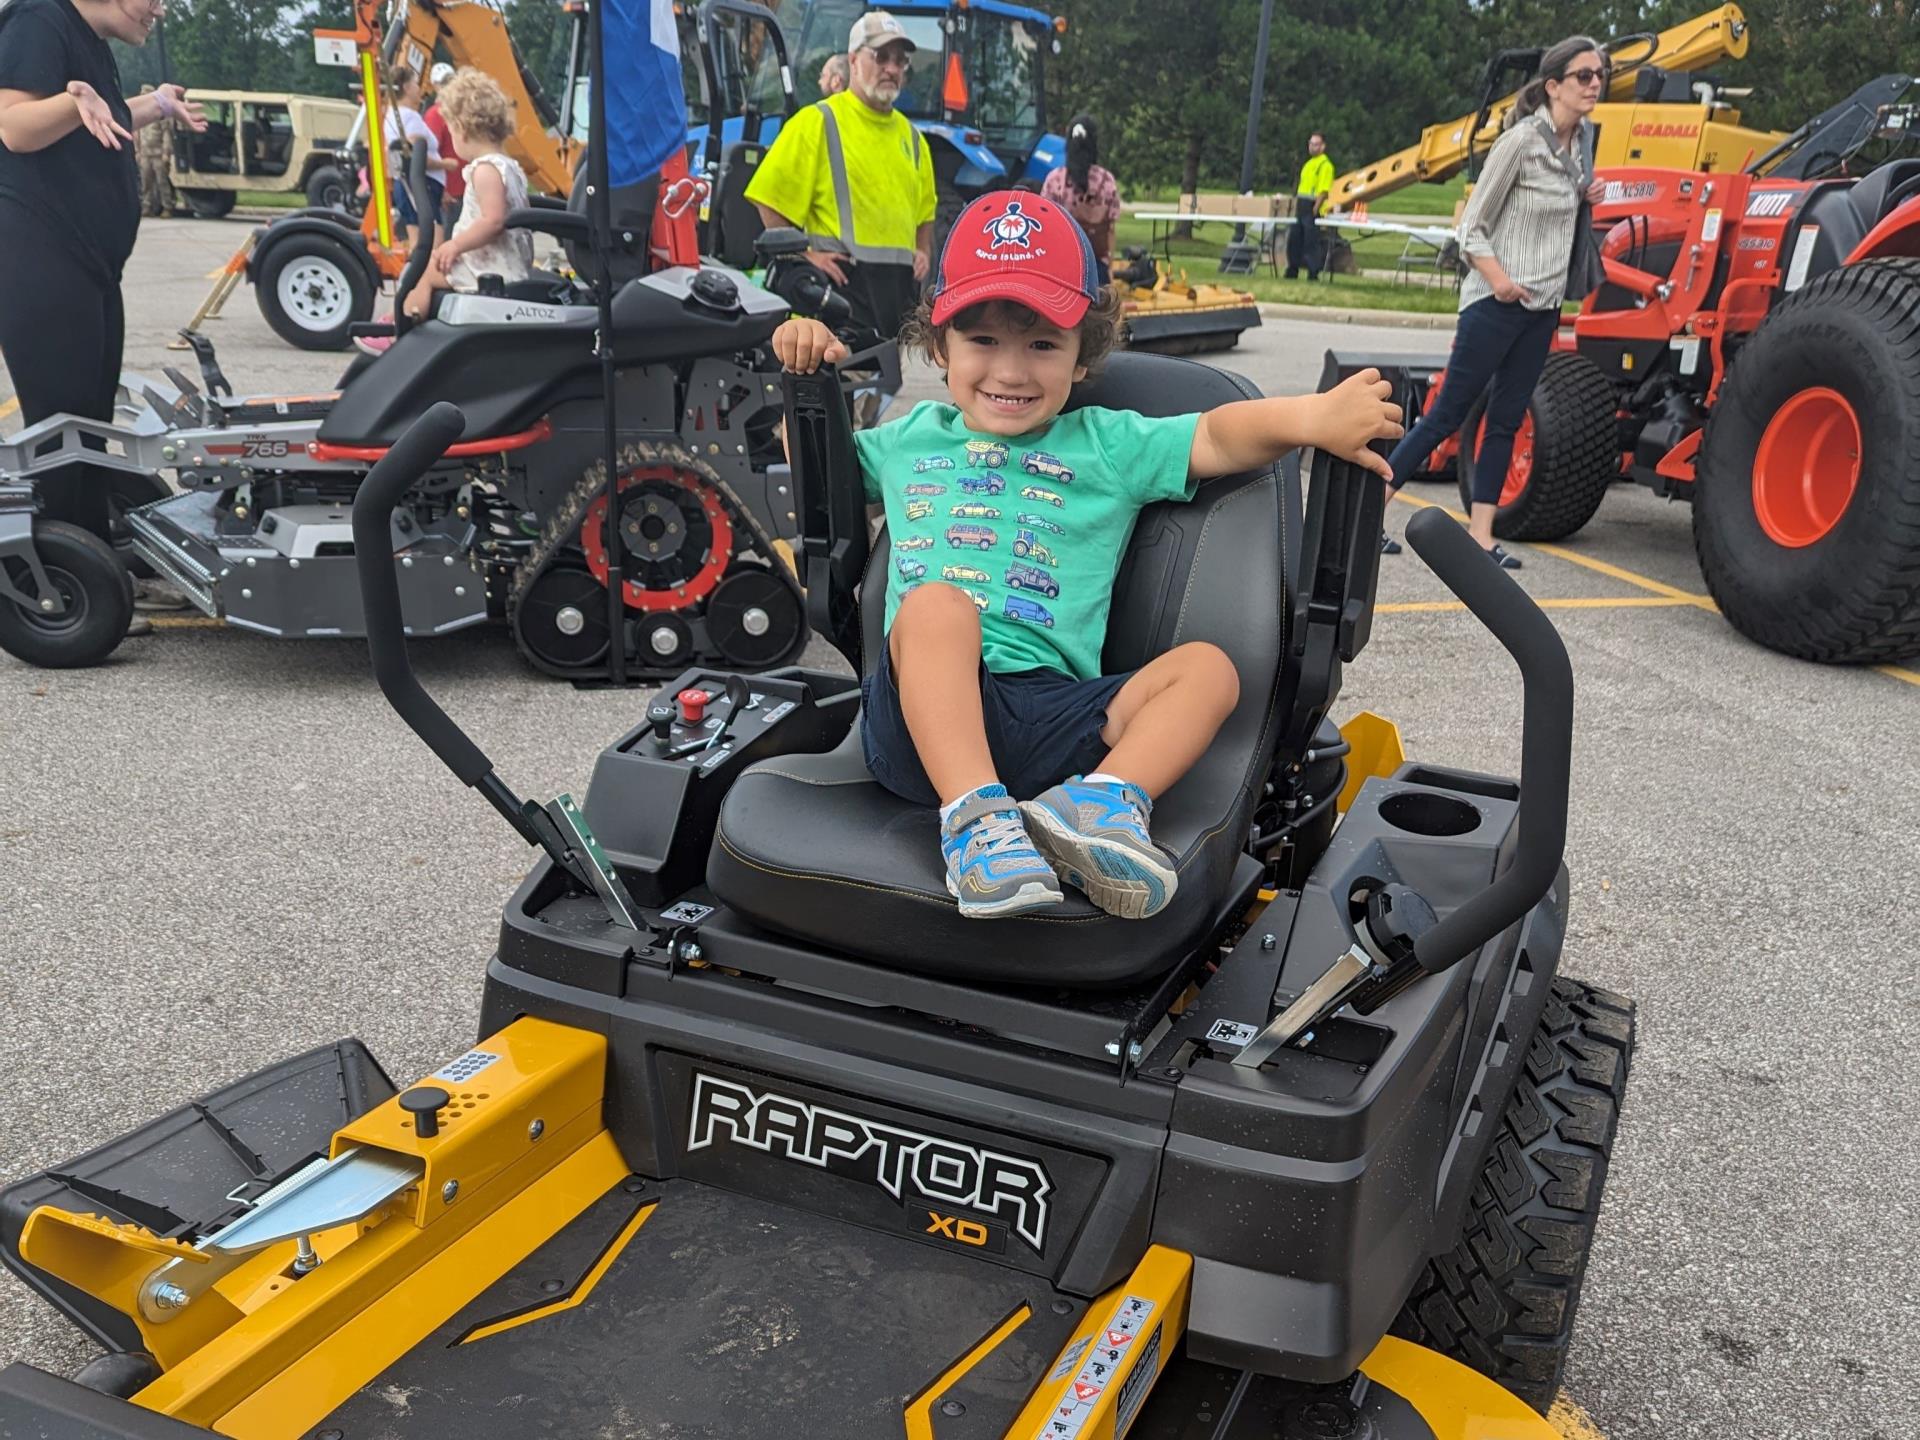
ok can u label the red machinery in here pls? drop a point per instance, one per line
(1756, 350)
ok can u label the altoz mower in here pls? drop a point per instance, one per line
(760, 1139)
(1755, 350)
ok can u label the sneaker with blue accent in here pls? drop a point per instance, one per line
(992, 865)
(1096, 837)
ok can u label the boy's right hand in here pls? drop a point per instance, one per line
(1350, 417)
(803, 346)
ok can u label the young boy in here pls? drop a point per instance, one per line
(1008, 522)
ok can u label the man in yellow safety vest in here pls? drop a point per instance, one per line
(1316, 182)
(856, 176)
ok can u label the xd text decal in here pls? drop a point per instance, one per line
(902, 1162)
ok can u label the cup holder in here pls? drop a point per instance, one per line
(1426, 812)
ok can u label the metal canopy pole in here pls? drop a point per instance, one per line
(600, 220)
(1253, 109)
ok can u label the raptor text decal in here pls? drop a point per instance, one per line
(904, 1163)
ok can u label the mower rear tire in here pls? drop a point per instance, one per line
(1564, 458)
(1502, 1300)
(96, 588)
(1806, 508)
(312, 290)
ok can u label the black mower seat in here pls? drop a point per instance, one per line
(812, 847)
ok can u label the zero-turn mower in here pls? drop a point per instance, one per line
(1164, 312)
(760, 1139)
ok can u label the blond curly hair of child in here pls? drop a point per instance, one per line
(474, 103)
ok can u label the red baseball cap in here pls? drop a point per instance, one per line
(1015, 245)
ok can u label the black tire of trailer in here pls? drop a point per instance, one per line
(1502, 1300)
(99, 595)
(352, 272)
(208, 204)
(328, 188)
(1575, 454)
(1851, 596)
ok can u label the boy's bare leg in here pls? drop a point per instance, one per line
(1163, 719)
(935, 649)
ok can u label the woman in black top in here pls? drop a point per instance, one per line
(69, 208)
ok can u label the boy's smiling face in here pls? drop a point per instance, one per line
(1010, 373)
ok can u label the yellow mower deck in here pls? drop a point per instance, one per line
(525, 1282)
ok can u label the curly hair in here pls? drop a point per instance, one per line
(1099, 328)
(474, 102)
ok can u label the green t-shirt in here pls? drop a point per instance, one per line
(1033, 528)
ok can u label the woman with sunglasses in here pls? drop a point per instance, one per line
(1518, 236)
(69, 210)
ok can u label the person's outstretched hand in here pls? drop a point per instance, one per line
(175, 106)
(95, 115)
(1350, 417)
(803, 346)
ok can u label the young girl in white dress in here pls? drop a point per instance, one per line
(480, 117)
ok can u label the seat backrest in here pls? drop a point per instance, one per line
(1214, 568)
(737, 222)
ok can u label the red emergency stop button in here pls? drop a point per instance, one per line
(693, 706)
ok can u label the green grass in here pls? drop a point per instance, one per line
(1200, 258)
(272, 199)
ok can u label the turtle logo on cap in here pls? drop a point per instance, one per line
(1012, 228)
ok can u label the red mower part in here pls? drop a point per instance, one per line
(696, 586)
(1807, 467)
(1519, 464)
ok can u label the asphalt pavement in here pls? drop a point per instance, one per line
(218, 849)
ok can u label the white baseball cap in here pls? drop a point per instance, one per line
(440, 74)
(877, 28)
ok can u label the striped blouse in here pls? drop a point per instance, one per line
(1523, 210)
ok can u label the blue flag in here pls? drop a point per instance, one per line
(646, 106)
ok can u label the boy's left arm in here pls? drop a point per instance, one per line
(1344, 421)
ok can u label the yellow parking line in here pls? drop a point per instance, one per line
(1571, 1420)
(186, 622)
(1912, 677)
(9, 405)
(1581, 602)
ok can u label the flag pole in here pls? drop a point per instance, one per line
(600, 224)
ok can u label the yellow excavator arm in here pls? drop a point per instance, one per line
(474, 33)
(1444, 150)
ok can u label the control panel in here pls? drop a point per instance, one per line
(656, 793)
(707, 717)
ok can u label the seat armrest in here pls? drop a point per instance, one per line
(561, 224)
(834, 538)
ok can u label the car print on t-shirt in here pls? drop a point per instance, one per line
(1048, 467)
(1028, 547)
(1040, 522)
(987, 484)
(925, 488)
(932, 462)
(914, 542)
(966, 574)
(910, 569)
(919, 509)
(978, 536)
(1031, 611)
(1027, 577)
(1045, 497)
(970, 510)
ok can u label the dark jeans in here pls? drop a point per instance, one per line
(62, 331)
(1497, 341)
(1303, 239)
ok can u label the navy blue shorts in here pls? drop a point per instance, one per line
(1042, 726)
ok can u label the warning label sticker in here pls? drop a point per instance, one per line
(1105, 1355)
(1134, 1390)
(1231, 1032)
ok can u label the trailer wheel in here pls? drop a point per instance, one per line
(97, 591)
(1502, 1300)
(208, 204)
(1806, 511)
(328, 188)
(312, 290)
(1564, 454)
